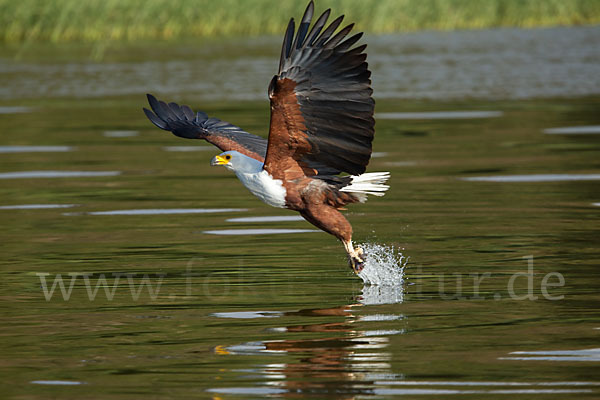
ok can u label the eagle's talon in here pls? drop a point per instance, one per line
(356, 264)
(356, 257)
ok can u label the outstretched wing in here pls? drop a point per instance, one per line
(182, 121)
(321, 105)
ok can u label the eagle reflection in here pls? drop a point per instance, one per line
(338, 359)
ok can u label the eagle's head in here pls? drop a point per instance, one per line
(237, 162)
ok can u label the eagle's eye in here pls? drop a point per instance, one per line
(228, 157)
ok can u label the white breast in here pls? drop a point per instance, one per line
(263, 186)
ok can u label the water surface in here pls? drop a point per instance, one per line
(491, 64)
(499, 298)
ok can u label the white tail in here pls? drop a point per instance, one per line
(371, 183)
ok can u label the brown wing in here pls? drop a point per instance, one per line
(182, 121)
(321, 105)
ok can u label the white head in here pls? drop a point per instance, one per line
(237, 162)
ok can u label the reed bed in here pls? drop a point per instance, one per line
(106, 20)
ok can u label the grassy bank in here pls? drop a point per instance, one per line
(101, 20)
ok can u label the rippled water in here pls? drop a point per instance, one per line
(491, 230)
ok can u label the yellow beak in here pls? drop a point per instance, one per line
(218, 160)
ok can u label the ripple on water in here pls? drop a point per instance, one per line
(383, 332)
(158, 211)
(534, 178)
(120, 134)
(188, 148)
(248, 390)
(65, 383)
(273, 218)
(390, 392)
(401, 163)
(34, 149)
(556, 355)
(450, 387)
(247, 314)
(574, 130)
(14, 109)
(380, 317)
(439, 115)
(247, 349)
(379, 154)
(258, 231)
(484, 383)
(35, 206)
(384, 266)
(56, 174)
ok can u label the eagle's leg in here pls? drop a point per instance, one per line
(330, 220)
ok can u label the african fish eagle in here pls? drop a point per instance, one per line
(321, 126)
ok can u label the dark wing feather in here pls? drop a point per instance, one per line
(303, 28)
(321, 105)
(182, 121)
(316, 29)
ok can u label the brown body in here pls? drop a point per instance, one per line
(316, 201)
(319, 204)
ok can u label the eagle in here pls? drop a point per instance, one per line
(320, 136)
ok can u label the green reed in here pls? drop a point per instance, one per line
(102, 20)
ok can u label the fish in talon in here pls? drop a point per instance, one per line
(356, 264)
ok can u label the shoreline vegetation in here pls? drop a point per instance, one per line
(93, 21)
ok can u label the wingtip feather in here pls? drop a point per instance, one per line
(155, 119)
(308, 13)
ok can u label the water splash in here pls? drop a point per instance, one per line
(384, 265)
(377, 295)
